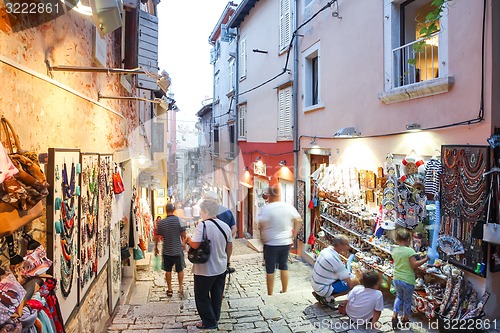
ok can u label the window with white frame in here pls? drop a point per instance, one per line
(409, 56)
(311, 76)
(285, 113)
(285, 23)
(243, 59)
(242, 121)
(231, 74)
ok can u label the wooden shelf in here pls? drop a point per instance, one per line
(329, 219)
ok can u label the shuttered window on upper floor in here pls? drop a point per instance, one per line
(285, 24)
(243, 59)
(285, 113)
(148, 49)
(242, 121)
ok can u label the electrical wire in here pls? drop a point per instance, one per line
(294, 34)
(266, 154)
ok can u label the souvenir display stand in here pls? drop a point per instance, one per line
(106, 167)
(89, 221)
(114, 262)
(63, 225)
(369, 207)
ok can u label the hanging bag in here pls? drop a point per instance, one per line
(29, 185)
(491, 231)
(202, 253)
(312, 239)
(117, 182)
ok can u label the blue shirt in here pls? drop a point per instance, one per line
(226, 216)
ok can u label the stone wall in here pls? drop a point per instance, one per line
(93, 312)
(61, 111)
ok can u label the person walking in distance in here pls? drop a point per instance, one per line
(276, 222)
(210, 277)
(173, 233)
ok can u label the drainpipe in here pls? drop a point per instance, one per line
(295, 106)
(239, 214)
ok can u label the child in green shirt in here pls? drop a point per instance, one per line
(405, 264)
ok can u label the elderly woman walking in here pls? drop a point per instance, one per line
(210, 277)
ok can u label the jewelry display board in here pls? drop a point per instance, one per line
(105, 208)
(301, 207)
(115, 263)
(89, 207)
(63, 225)
(464, 193)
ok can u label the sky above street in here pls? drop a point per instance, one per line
(184, 51)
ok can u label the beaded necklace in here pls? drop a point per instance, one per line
(68, 188)
(453, 154)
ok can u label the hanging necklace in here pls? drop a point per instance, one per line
(453, 154)
(68, 188)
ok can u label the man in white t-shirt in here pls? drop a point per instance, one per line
(365, 302)
(330, 277)
(276, 222)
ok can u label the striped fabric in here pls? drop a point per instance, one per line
(433, 170)
(170, 229)
(327, 269)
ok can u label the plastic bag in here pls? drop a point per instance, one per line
(156, 263)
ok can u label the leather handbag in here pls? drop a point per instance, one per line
(12, 219)
(27, 187)
(117, 182)
(202, 253)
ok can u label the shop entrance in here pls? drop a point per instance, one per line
(249, 212)
(316, 161)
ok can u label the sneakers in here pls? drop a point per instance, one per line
(331, 304)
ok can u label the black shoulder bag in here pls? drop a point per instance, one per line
(202, 253)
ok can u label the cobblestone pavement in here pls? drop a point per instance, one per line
(246, 306)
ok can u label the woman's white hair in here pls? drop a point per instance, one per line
(210, 206)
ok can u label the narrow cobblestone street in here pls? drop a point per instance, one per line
(246, 306)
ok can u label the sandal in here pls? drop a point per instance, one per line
(203, 327)
(170, 293)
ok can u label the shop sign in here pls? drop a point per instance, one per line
(259, 169)
(318, 151)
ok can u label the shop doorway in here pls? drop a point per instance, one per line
(249, 212)
(316, 161)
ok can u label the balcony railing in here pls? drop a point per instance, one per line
(416, 61)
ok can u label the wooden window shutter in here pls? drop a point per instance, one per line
(243, 59)
(242, 121)
(285, 113)
(148, 49)
(285, 24)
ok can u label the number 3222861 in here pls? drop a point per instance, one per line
(32, 8)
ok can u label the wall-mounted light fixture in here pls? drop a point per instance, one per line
(162, 80)
(258, 159)
(346, 132)
(164, 102)
(282, 163)
(414, 127)
(245, 168)
(313, 142)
